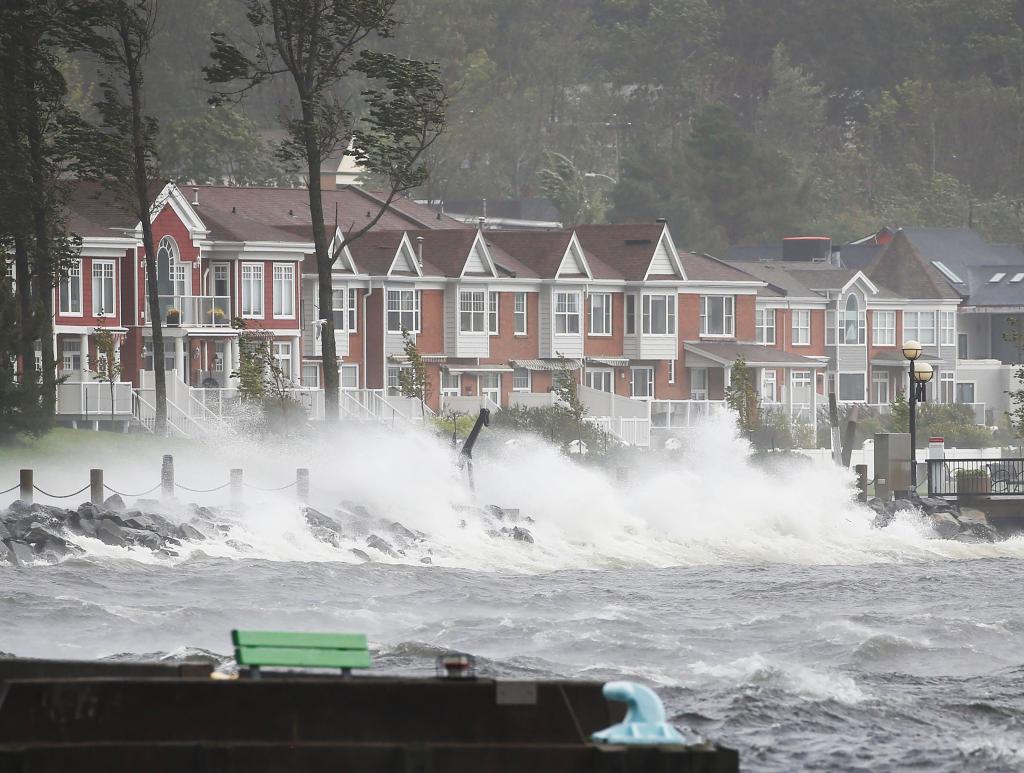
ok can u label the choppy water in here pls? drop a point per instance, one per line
(762, 605)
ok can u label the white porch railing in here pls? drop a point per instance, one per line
(196, 310)
(532, 399)
(468, 404)
(93, 398)
(682, 414)
(630, 432)
(375, 405)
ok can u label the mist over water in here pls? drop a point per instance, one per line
(760, 601)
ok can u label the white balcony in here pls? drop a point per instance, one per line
(196, 310)
(683, 414)
(92, 399)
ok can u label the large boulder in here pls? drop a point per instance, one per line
(945, 525)
(150, 522)
(89, 511)
(382, 545)
(362, 555)
(111, 533)
(6, 554)
(518, 533)
(189, 532)
(22, 553)
(114, 502)
(142, 538)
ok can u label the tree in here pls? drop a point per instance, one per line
(108, 364)
(576, 201)
(121, 150)
(322, 46)
(741, 396)
(412, 379)
(568, 392)
(262, 382)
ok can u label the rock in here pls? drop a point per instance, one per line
(426, 560)
(360, 554)
(169, 552)
(189, 532)
(144, 538)
(945, 525)
(89, 511)
(43, 538)
(4, 532)
(84, 527)
(518, 533)
(22, 553)
(382, 545)
(154, 523)
(316, 519)
(898, 505)
(241, 547)
(6, 554)
(114, 502)
(109, 533)
(935, 505)
(19, 507)
(400, 531)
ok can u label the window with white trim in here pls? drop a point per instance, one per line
(167, 252)
(883, 328)
(284, 291)
(310, 375)
(947, 386)
(221, 282)
(252, 290)
(642, 382)
(520, 380)
(919, 326)
(349, 376)
(852, 322)
(830, 327)
(879, 387)
(600, 379)
(353, 305)
(947, 328)
(630, 314)
(70, 290)
(801, 327)
(103, 289)
(472, 311)
(403, 311)
(764, 326)
(339, 308)
(492, 314)
(717, 315)
(601, 314)
(851, 387)
(801, 389)
(519, 314)
(394, 381)
(671, 371)
(283, 358)
(567, 313)
(659, 314)
(965, 392)
(698, 383)
(769, 385)
(71, 354)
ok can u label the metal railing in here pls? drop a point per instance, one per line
(975, 477)
(680, 414)
(196, 310)
(628, 431)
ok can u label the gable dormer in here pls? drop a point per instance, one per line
(186, 212)
(574, 263)
(479, 261)
(343, 260)
(665, 261)
(406, 261)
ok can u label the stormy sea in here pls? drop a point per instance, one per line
(760, 601)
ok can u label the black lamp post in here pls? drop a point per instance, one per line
(920, 374)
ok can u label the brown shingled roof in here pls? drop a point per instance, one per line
(900, 268)
(629, 247)
(94, 211)
(708, 269)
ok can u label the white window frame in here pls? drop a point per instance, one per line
(405, 305)
(70, 350)
(282, 354)
(947, 386)
(517, 382)
(72, 280)
(308, 367)
(769, 385)
(764, 326)
(474, 311)
(220, 268)
(799, 379)
(859, 322)
(883, 327)
(107, 274)
(630, 314)
(350, 367)
(567, 313)
(451, 384)
(728, 316)
(947, 328)
(649, 382)
(353, 309)
(597, 378)
(801, 327)
(667, 319)
(912, 331)
(699, 392)
(284, 290)
(252, 291)
(671, 371)
(600, 314)
(393, 384)
(519, 314)
(493, 303)
(830, 327)
(339, 312)
(880, 378)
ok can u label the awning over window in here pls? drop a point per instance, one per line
(549, 364)
(608, 362)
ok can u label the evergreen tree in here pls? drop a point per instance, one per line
(412, 379)
(741, 396)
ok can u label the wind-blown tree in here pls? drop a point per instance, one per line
(412, 379)
(34, 150)
(121, 150)
(324, 47)
(108, 364)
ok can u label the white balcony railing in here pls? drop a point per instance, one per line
(467, 404)
(681, 414)
(93, 398)
(196, 310)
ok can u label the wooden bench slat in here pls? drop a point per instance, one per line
(337, 641)
(302, 658)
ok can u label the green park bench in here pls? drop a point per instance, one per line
(257, 649)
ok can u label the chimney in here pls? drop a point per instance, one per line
(480, 222)
(419, 250)
(195, 197)
(662, 221)
(484, 202)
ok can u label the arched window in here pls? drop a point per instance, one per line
(851, 328)
(167, 255)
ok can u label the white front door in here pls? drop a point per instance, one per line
(490, 386)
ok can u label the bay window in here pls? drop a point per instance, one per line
(339, 308)
(403, 311)
(492, 314)
(472, 311)
(567, 313)
(659, 315)
(717, 315)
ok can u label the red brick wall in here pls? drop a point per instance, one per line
(373, 370)
(123, 295)
(745, 326)
(508, 346)
(430, 339)
(608, 346)
(689, 317)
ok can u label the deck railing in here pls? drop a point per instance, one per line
(92, 398)
(196, 310)
(975, 477)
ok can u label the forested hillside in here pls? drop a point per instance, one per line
(738, 120)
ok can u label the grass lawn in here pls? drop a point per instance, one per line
(84, 445)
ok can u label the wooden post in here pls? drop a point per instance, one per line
(862, 482)
(833, 420)
(167, 477)
(25, 481)
(302, 484)
(236, 487)
(850, 434)
(96, 486)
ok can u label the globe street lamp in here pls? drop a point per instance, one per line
(920, 375)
